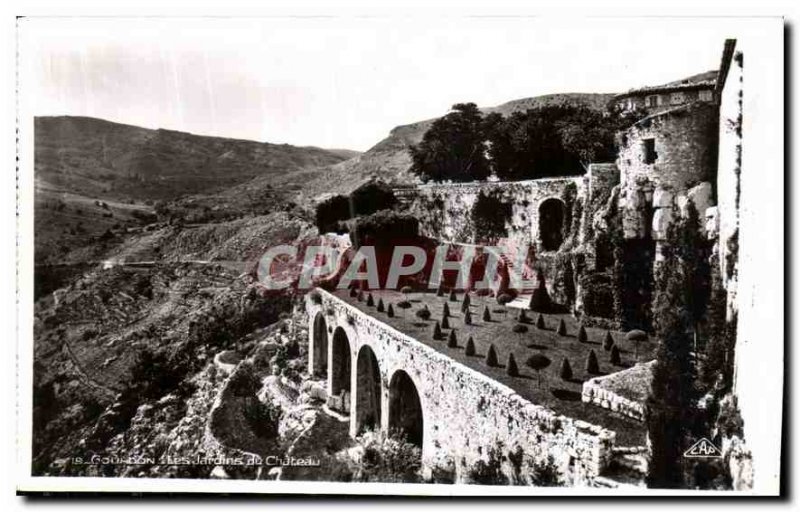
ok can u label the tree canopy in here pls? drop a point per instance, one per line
(556, 140)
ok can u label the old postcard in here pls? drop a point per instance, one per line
(404, 255)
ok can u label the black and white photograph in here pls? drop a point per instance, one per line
(400, 255)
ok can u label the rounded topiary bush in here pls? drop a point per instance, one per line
(491, 356)
(591, 363)
(538, 362)
(424, 313)
(566, 370)
(403, 304)
(562, 328)
(504, 298)
(405, 290)
(520, 328)
(511, 366)
(582, 337)
(469, 349)
(636, 335)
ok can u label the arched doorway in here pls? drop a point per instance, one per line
(368, 391)
(405, 408)
(320, 355)
(551, 223)
(340, 369)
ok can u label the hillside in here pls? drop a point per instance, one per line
(390, 161)
(94, 177)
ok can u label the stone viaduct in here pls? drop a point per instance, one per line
(454, 413)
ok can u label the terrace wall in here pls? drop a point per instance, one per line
(465, 413)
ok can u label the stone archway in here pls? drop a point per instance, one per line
(341, 367)
(405, 408)
(552, 212)
(368, 391)
(320, 339)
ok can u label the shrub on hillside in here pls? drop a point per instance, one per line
(452, 341)
(615, 358)
(582, 337)
(562, 328)
(608, 341)
(511, 366)
(424, 313)
(520, 328)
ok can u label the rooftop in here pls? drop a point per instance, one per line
(548, 388)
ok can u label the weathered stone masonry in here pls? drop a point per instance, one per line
(464, 413)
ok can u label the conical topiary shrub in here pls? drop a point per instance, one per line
(452, 341)
(353, 292)
(465, 304)
(440, 291)
(522, 317)
(370, 300)
(381, 307)
(566, 370)
(540, 299)
(615, 359)
(467, 318)
(491, 356)
(582, 337)
(437, 331)
(608, 341)
(445, 323)
(469, 349)
(540, 322)
(511, 366)
(487, 317)
(562, 328)
(360, 296)
(591, 363)
(390, 311)
(453, 297)
(445, 310)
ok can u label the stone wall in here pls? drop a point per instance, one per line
(465, 414)
(445, 209)
(608, 391)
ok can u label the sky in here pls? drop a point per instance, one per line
(337, 82)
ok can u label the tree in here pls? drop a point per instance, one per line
(370, 300)
(511, 366)
(562, 328)
(453, 296)
(452, 341)
(469, 349)
(491, 356)
(538, 362)
(487, 317)
(453, 148)
(467, 318)
(671, 408)
(437, 331)
(390, 311)
(465, 303)
(445, 310)
(381, 307)
(540, 322)
(445, 323)
(566, 370)
(615, 359)
(608, 341)
(591, 363)
(489, 216)
(582, 337)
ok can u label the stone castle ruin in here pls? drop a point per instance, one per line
(383, 373)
